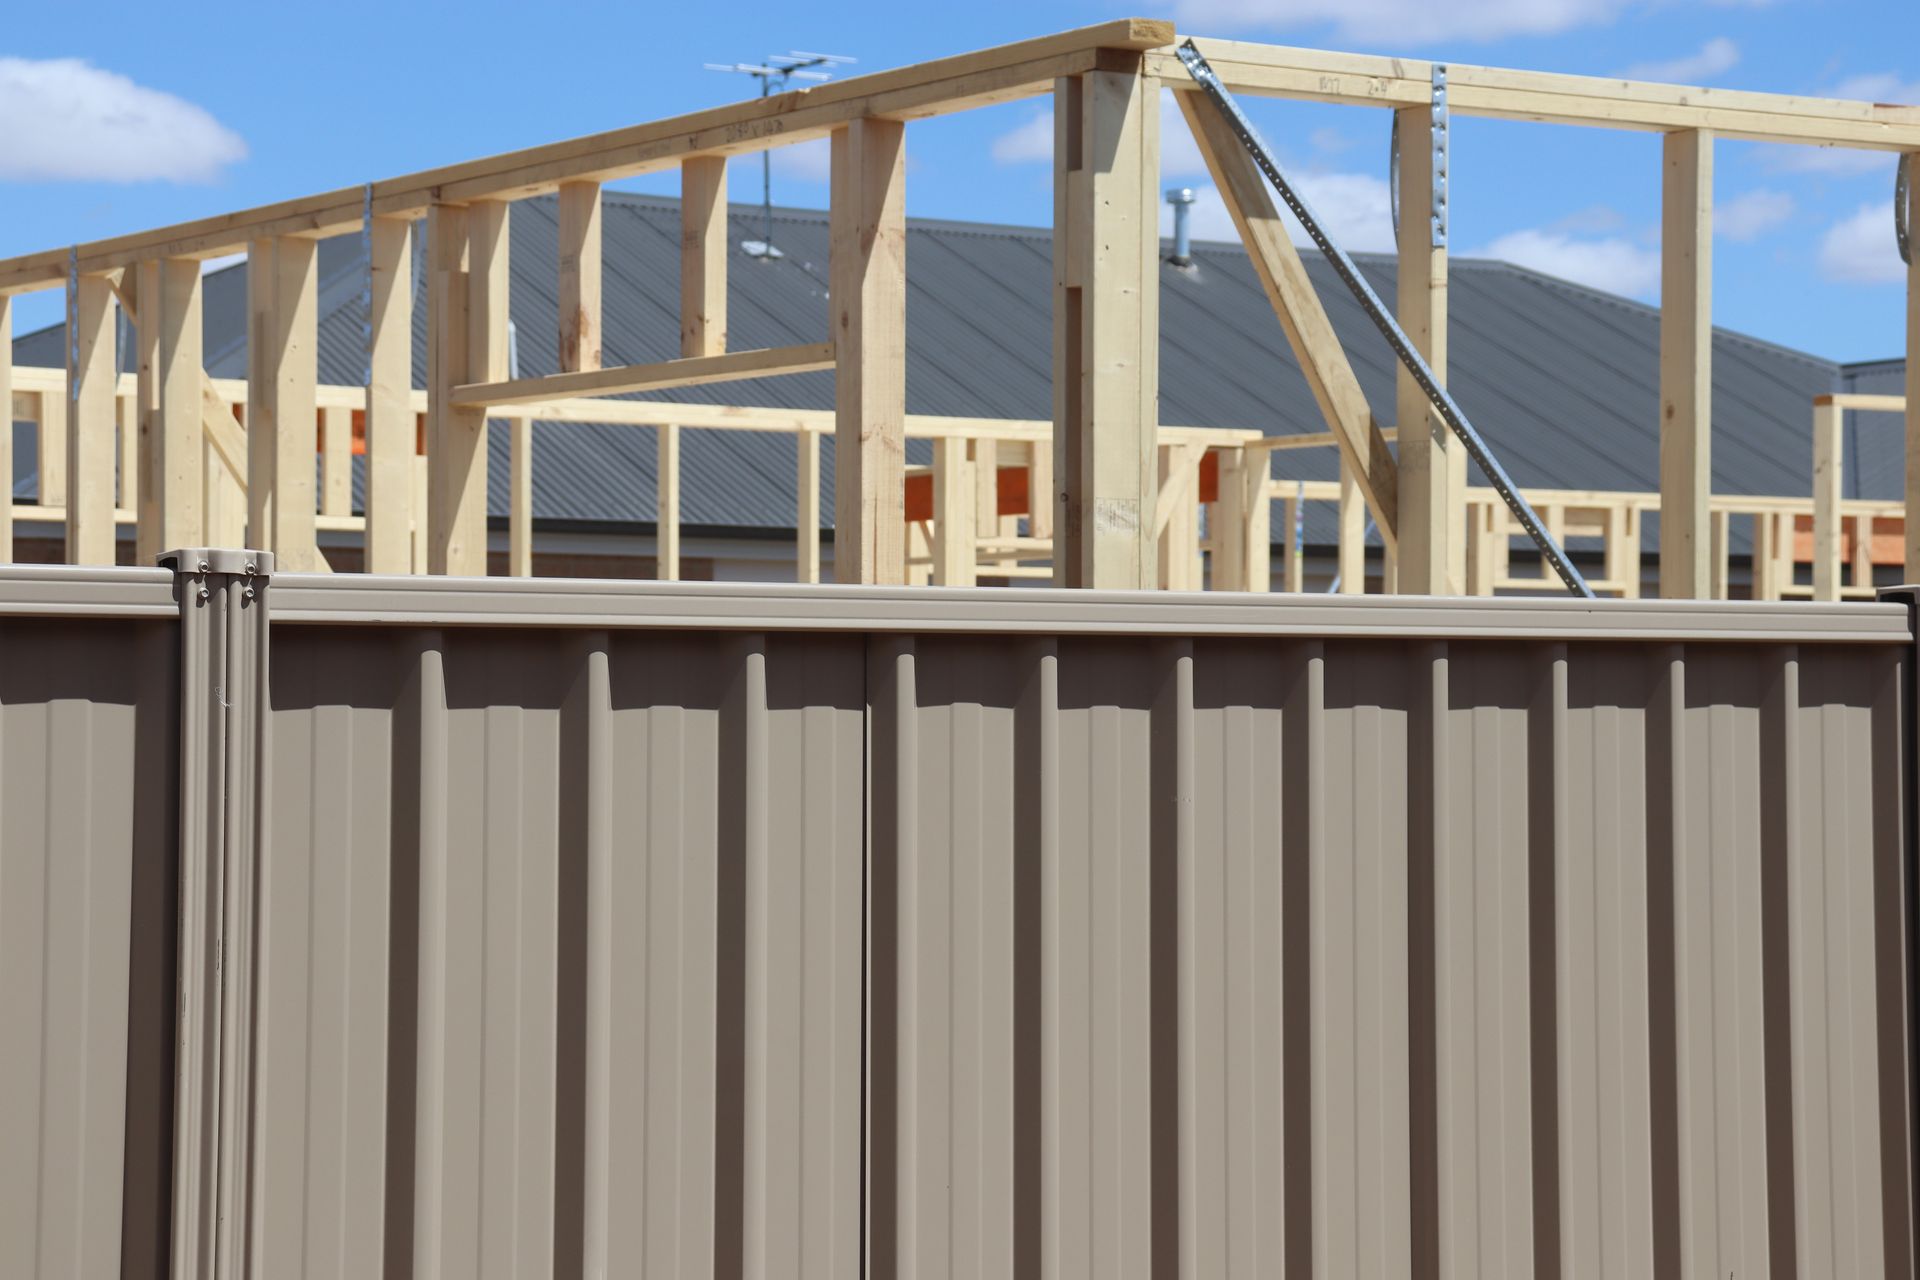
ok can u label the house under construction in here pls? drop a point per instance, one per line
(1149, 921)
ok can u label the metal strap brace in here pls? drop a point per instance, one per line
(1443, 403)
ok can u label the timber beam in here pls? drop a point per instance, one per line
(960, 83)
(1501, 93)
(691, 371)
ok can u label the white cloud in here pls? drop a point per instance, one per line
(1752, 214)
(1715, 57)
(1877, 86)
(1029, 143)
(210, 265)
(1404, 22)
(1355, 208)
(1834, 162)
(1330, 141)
(1860, 249)
(1401, 21)
(1611, 263)
(1352, 206)
(68, 120)
(1593, 220)
(810, 162)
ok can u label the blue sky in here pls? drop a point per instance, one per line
(140, 115)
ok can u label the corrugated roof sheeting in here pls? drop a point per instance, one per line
(1562, 380)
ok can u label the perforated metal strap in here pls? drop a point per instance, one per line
(1443, 403)
(1903, 207)
(1437, 169)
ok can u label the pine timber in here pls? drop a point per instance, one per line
(6, 454)
(389, 399)
(1106, 251)
(1432, 464)
(1913, 379)
(580, 275)
(282, 365)
(690, 371)
(1686, 364)
(92, 378)
(867, 237)
(1315, 75)
(1302, 316)
(170, 380)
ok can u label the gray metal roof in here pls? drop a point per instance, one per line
(1561, 379)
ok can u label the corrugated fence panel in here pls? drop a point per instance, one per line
(1461, 958)
(460, 819)
(608, 945)
(89, 745)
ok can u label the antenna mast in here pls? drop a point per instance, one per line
(774, 76)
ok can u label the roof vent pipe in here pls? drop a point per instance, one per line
(1181, 198)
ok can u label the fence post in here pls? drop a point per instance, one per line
(222, 594)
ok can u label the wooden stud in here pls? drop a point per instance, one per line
(703, 256)
(336, 461)
(666, 522)
(1480, 550)
(1432, 557)
(467, 343)
(6, 440)
(1296, 559)
(580, 276)
(93, 378)
(520, 500)
(126, 441)
(807, 517)
(1040, 488)
(1827, 447)
(420, 477)
(1862, 552)
(1173, 513)
(919, 553)
(1722, 553)
(953, 514)
(986, 487)
(1553, 515)
(1913, 383)
(868, 275)
(1309, 332)
(282, 314)
(171, 400)
(51, 422)
(1106, 303)
(1353, 533)
(1632, 555)
(1686, 364)
(1766, 584)
(1241, 523)
(390, 432)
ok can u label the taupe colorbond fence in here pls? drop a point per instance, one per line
(358, 926)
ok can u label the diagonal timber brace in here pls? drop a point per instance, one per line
(1309, 332)
(1228, 114)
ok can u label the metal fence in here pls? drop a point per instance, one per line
(355, 926)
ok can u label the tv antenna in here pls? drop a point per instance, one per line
(774, 76)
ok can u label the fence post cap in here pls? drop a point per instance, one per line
(194, 560)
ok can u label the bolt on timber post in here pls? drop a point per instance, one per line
(222, 594)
